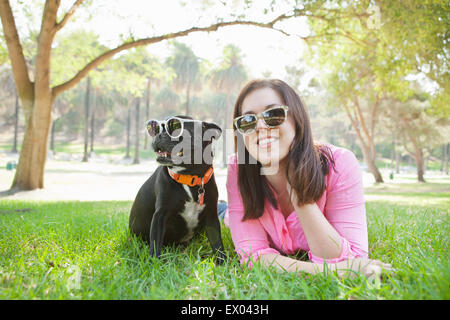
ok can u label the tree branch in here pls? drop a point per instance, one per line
(355, 126)
(68, 15)
(361, 117)
(146, 41)
(24, 85)
(364, 127)
(374, 112)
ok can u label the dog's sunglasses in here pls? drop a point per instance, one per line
(273, 117)
(174, 126)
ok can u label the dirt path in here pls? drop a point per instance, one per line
(97, 180)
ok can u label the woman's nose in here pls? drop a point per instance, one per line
(260, 124)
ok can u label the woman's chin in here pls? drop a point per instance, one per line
(269, 165)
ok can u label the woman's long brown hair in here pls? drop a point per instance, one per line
(307, 163)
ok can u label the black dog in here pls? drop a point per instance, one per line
(180, 197)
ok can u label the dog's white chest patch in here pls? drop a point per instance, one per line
(190, 215)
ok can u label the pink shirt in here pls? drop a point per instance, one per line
(342, 203)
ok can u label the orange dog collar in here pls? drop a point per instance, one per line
(191, 180)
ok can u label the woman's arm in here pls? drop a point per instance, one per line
(283, 263)
(323, 240)
(369, 268)
(340, 231)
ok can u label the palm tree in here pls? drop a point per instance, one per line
(166, 100)
(134, 69)
(156, 73)
(187, 68)
(228, 78)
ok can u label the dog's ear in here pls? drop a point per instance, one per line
(211, 131)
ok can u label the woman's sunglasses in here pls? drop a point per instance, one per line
(174, 126)
(272, 117)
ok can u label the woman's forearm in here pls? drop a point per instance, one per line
(369, 268)
(283, 263)
(323, 240)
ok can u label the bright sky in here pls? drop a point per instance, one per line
(263, 49)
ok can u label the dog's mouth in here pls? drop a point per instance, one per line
(165, 157)
(163, 154)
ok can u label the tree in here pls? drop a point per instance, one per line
(81, 46)
(417, 129)
(156, 74)
(3, 51)
(167, 100)
(361, 71)
(349, 72)
(87, 103)
(137, 114)
(8, 90)
(133, 71)
(415, 34)
(186, 66)
(38, 94)
(228, 78)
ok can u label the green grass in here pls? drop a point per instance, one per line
(44, 246)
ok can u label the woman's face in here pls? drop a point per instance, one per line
(269, 146)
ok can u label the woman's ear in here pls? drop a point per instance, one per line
(211, 131)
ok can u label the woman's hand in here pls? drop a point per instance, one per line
(372, 269)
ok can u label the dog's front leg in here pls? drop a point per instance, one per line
(214, 236)
(157, 231)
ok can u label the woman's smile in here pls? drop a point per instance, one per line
(265, 142)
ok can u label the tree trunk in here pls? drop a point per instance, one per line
(94, 106)
(369, 159)
(147, 109)
(86, 120)
(446, 158)
(392, 156)
(420, 164)
(137, 135)
(368, 149)
(30, 168)
(91, 148)
(16, 124)
(188, 97)
(418, 152)
(127, 155)
(397, 161)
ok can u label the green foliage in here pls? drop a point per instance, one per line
(168, 102)
(185, 64)
(114, 127)
(3, 51)
(230, 74)
(409, 121)
(128, 74)
(72, 52)
(416, 33)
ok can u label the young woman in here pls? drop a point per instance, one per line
(286, 193)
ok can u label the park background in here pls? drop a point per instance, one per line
(373, 75)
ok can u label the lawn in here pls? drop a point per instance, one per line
(82, 250)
